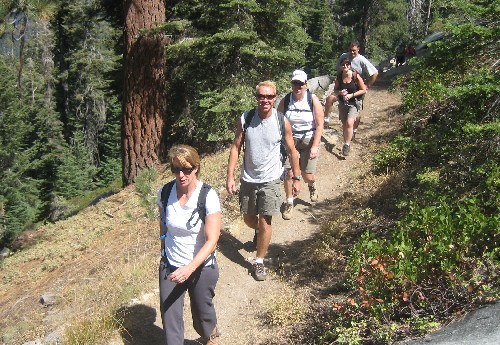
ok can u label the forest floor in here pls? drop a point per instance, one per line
(114, 234)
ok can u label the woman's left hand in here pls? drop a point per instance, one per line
(313, 153)
(180, 275)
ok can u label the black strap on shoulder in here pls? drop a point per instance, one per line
(202, 201)
(286, 101)
(165, 192)
(248, 119)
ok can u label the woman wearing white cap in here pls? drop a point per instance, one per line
(305, 113)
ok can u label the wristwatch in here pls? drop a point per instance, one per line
(297, 178)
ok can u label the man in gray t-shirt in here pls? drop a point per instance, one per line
(260, 191)
(363, 66)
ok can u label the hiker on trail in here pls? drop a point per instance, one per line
(305, 113)
(189, 229)
(410, 52)
(364, 67)
(400, 55)
(261, 132)
(349, 88)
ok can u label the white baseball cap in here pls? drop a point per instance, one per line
(299, 75)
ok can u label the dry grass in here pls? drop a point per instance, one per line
(94, 263)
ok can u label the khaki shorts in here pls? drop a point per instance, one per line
(260, 198)
(347, 112)
(307, 165)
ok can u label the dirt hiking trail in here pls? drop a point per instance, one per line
(241, 302)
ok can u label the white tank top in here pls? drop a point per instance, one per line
(301, 118)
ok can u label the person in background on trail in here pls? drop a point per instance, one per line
(188, 261)
(400, 55)
(410, 52)
(363, 66)
(349, 88)
(305, 113)
(261, 135)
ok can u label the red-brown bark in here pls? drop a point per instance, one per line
(144, 84)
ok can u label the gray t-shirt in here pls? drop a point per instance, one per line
(261, 160)
(361, 64)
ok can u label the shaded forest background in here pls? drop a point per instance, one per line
(65, 85)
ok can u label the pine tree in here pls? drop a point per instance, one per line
(144, 98)
(218, 57)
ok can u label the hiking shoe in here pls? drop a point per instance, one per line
(313, 192)
(345, 149)
(287, 213)
(259, 272)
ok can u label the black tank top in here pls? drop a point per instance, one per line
(351, 87)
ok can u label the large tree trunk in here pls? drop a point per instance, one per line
(144, 85)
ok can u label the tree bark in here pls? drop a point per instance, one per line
(144, 84)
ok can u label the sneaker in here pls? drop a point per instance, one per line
(259, 272)
(313, 192)
(287, 213)
(345, 149)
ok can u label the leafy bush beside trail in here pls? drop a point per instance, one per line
(442, 254)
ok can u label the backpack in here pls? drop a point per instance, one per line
(281, 119)
(287, 101)
(200, 208)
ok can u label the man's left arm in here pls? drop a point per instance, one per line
(319, 119)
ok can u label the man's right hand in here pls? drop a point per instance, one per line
(231, 186)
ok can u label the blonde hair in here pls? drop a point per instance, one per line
(267, 83)
(187, 156)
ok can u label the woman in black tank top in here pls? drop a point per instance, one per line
(349, 86)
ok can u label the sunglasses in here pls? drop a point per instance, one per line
(298, 83)
(346, 64)
(263, 97)
(185, 171)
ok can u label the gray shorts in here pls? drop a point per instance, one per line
(348, 111)
(260, 198)
(307, 165)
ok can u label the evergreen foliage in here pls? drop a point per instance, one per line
(318, 22)
(379, 26)
(213, 67)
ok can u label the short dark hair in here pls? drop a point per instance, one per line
(345, 61)
(354, 43)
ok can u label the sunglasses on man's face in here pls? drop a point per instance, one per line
(263, 97)
(346, 65)
(185, 171)
(298, 83)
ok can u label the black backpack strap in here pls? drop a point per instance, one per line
(165, 193)
(248, 119)
(286, 102)
(310, 100)
(202, 201)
